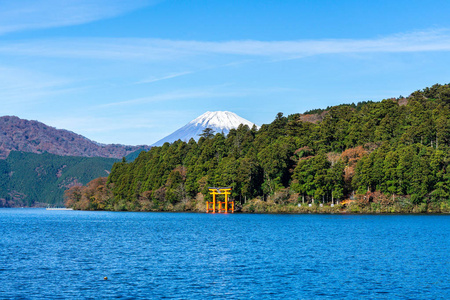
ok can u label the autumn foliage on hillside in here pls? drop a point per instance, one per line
(378, 154)
(93, 196)
(33, 136)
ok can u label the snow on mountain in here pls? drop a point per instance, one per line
(219, 121)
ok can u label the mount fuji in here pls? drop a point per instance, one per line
(219, 121)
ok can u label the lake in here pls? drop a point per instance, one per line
(67, 254)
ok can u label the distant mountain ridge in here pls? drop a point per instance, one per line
(32, 136)
(219, 121)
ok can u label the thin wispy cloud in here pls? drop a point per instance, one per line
(179, 74)
(172, 50)
(170, 76)
(38, 14)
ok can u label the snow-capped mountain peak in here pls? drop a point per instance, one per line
(219, 121)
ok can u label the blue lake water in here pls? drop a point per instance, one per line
(66, 255)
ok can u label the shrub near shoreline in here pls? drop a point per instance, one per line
(259, 206)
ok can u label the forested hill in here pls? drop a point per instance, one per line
(382, 154)
(29, 179)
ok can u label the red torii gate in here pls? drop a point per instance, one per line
(222, 206)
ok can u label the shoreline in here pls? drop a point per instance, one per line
(264, 208)
(249, 213)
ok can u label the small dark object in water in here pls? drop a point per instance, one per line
(105, 278)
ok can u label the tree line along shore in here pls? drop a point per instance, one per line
(382, 157)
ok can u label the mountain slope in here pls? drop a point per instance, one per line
(32, 136)
(219, 121)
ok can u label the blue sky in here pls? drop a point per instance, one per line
(132, 72)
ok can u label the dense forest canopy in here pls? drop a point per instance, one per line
(389, 152)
